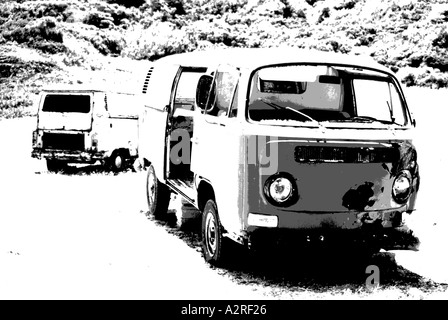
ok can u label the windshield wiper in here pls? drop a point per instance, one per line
(276, 106)
(391, 112)
(369, 119)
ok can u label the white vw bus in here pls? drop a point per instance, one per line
(281, 145)
(85, 125)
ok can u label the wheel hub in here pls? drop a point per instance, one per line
(118, 162)
(151, 189)
(210, 234)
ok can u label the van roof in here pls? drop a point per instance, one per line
(80, 88)
(258, 57)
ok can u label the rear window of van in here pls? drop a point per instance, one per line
(66, 103)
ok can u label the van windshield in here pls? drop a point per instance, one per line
(79, 103)
(315, 94)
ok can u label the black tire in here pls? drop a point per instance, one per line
(116, 162)
(215, 246)
(56, 165)
(157, 195)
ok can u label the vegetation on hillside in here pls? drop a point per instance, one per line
(68, 41)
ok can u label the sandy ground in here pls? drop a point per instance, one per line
(85, 236)
(430, 221)
(78, 237)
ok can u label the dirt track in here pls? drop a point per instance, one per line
(84, 235)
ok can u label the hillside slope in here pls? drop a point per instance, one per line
(104, 42)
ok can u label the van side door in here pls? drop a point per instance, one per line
(154, 118)
(216, 144)
(181, 122)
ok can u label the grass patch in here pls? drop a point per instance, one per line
(20, 83)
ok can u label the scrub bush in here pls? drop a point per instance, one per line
(128, 3)
(99, 19)
(108, 43)
(423, 77)
(42, 34)
(157, 41)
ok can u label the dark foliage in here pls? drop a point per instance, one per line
(128, 3)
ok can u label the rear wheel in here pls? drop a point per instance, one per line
(56, 165)
(214, 245)
(157, 194)
(116, 161)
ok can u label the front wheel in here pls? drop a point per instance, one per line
(214, 245)
(157, 194)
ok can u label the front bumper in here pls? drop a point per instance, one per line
(381, 229)
(400, 238)
(351, 219)
(69, 156)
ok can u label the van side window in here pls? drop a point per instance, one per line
(234, 108)
(184, 99)
(222, 92)
(186, 89)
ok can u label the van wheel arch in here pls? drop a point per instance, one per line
(145, 163)
(205, 193)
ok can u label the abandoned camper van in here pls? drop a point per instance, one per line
(286, 146)
(84, 125)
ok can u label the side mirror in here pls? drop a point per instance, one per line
(203, 90)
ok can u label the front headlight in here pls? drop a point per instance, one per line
(401, 189)
(281, 190)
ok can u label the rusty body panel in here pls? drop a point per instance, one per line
(340, 186)
(336, 183)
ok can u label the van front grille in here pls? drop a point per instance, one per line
(345, 154)
(63, 141)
